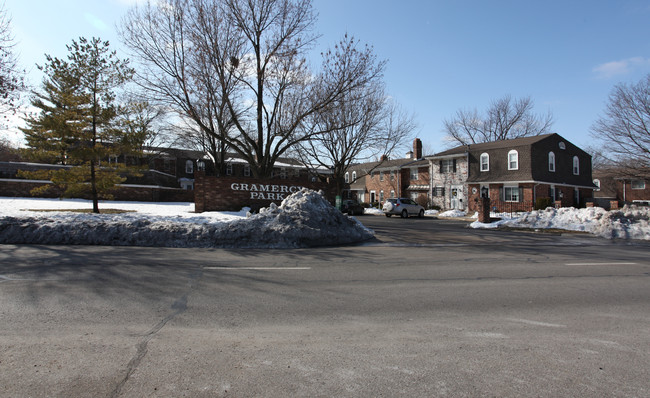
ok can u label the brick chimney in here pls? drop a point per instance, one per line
(417, 149)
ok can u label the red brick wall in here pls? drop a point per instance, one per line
(625, 192)
(374, 183)
(233, 193)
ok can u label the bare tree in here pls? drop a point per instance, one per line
(505, 119)
(624, 129)
(185, 50)
(237, 68)
(359, 125)
(12, 79)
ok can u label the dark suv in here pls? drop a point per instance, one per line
(351, 207)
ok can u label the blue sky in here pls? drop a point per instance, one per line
(442, 55)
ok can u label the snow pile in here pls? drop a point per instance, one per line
(627, 223)
(373, 211)
(452, 213)
(304, 219)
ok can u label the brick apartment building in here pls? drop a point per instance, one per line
(513, 174)
(374, 182)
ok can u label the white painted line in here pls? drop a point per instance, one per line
(536, 323)
(261, 268)
(601, 264)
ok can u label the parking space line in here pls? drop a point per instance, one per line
(601, 264)
(260, 268)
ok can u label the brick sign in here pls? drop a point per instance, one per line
(266, 191)
(233, 193)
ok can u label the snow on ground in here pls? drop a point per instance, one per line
(304, 219)
(452, 213)
(627, 223)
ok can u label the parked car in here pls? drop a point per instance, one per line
(403, 207)
(351, 207)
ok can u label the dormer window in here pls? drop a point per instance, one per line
(576, 165)
(485, 162)
(551, 161)
(513, 160)
(347, 178)
(354, 176)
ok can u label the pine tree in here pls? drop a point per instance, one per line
(53, 132)
(75, 125)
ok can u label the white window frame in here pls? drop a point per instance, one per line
(551, 162)
(381, 176)
(512, 189)
(200, 165)
(485, 161)
(354, 176)
(640, 184)
(392, 193)
(381, 196)
(347, 178)
(597, 183)
(447, 166)
(414, 173)
(576, 165)
(189, 167)
(513, 158)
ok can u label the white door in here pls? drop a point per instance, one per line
(457, 200)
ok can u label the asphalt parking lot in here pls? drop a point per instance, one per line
(429, 308)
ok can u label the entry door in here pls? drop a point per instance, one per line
(457, 200)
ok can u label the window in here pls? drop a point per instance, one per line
(513, 160)
(392, 175)
(485, 162)
(439, 191)
(354, 176)
(637, 184)
(511, 194)
(576, 165)
(189, 167)
(381, 176)
(414, 174)
(229, 169)
(381, 196)
(347, 178)
(597, 184)
(562, 145)
(247, 170)
(392, 193)
(283, 173)
(551, 161)
(552, 193)
(200, 166)
(485, 191)
(448, 166)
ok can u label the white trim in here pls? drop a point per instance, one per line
(480, 162)
(513, 152)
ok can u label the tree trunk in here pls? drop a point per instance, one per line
(93, 187)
